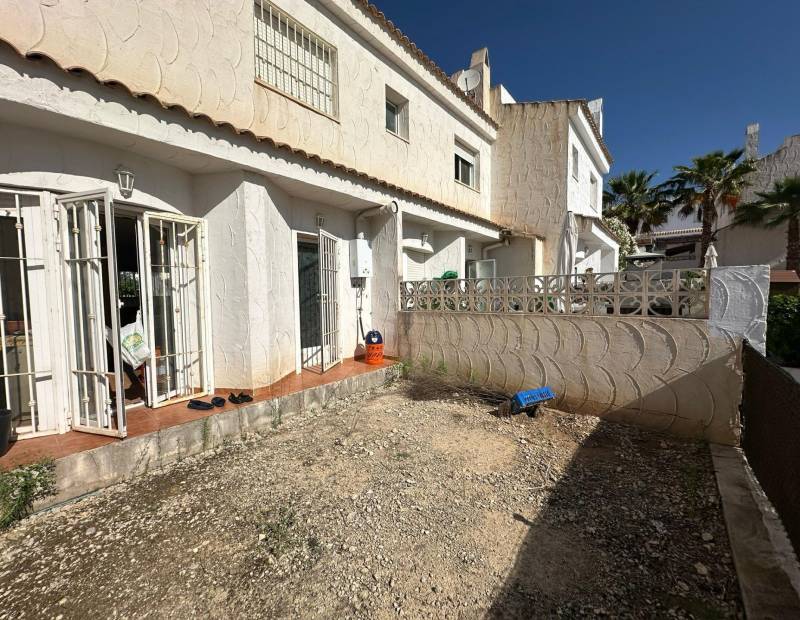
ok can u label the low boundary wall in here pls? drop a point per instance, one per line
(681, 376)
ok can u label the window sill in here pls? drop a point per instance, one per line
(462, 184)
(300, 102)
(398, 136)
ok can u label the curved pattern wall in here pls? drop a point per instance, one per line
(199, 55)
(671, 375)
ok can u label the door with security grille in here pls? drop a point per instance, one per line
(176, 303)
(89, 249)
(329, 299)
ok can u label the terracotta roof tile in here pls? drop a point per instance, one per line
(782, 276)
(374, 12)
(277, 145)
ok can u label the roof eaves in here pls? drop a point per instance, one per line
(375, 13)
(111, 83)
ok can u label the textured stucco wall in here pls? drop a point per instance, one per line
(200, 56)
(515, 259)
(448, 254)
(579, 190)
(529, 172)
(750, 245)
(667, 374)
(681, 376)
(33, 157)
(386, 233)
(738, 304)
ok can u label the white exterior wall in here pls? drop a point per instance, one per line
(579, 190)
(201, 57)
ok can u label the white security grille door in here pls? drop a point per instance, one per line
(176, 303)
(25, 375)
(329, 300)
(87, 228)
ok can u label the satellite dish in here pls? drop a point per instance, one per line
(469, 80)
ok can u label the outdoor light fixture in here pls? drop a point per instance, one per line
(125, 180)
(424, 238)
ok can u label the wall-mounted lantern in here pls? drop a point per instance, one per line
(424, 238)
(125, 179)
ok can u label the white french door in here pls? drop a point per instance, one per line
(176, 308)
(90, 274)
(329, 299)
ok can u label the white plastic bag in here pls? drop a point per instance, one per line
(135, 351)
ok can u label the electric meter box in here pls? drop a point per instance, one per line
(360, 259)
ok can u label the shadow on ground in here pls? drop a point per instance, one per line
(652, 544)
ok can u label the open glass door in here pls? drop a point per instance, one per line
(329, 299)
(176, 308)
(97, 392)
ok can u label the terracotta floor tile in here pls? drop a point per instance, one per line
(143, 420)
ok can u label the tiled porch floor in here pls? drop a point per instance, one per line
(144, 420)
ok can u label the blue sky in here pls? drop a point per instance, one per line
(678, 78)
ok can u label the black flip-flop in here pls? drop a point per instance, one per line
(234, 399)
(245, 398)
(218, 401)
(199, 405)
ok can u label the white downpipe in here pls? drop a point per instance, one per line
(500, 244)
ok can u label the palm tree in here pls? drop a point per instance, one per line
(781, 205)
(713, 180)
(634, 199)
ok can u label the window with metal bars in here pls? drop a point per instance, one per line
(294, 60)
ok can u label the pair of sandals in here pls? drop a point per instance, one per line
(218, 401)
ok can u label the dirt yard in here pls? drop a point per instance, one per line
(383, 506)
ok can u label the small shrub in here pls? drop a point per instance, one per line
(20, 487)
(783, 329)
(276, 531)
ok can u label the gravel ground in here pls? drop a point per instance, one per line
(383, 506)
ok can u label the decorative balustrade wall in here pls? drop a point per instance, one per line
(670, 293)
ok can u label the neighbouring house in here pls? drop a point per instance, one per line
(241, 184)
(739, 245)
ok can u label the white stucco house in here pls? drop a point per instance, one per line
(247, 180)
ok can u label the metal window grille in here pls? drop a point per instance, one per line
(18, 372)
(294, 60)
(329, 299)
(174, 261)
(669, 293)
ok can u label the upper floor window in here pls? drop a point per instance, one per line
(466, 161)
(294, 60)
(396, 113)
(593, 192)
(575, 162)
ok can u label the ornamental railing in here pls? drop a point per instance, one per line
(667, 293)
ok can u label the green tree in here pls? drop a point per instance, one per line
(703, 188)
(627, 244)
(774, 208)
(633, 198)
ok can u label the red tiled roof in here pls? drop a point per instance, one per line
(782, 276)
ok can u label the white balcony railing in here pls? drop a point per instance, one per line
(669, 293)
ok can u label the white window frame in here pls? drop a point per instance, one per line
(400, 105)
(469, 156)
(295, 61)
(575, 162)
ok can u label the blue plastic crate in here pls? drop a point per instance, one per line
(530, 398)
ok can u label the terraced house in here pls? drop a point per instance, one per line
(245, 185)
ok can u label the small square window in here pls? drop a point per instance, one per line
(575, 162)
(466, 163)
(396, 113)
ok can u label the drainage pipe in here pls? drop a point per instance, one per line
(500, 244)
(389, 207)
